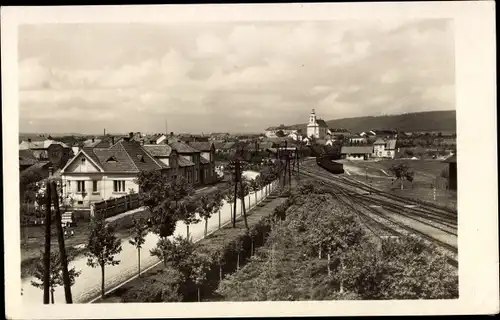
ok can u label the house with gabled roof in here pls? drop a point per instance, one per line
(356, 152)
(207, 160)
(384, 148)
(189, 158)
(97, 174)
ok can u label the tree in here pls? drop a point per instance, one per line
(206, 207)
(156, 194)
(140, 232)
(218, 256)
(176, 251)
(186, 211)
(252, 234)
(218, 203)
(200, 267)
(255, 186)
(280, 134)
(102, 247)
(244, 190)
(181, 189)
(238, 248)
(229, 197)
(401, 172)
(55, 273)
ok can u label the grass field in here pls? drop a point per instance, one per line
(427, 175)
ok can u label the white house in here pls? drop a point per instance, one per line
(316, 128)
(358, 139)
(295, 136)
(271, 131)
(384, 148)
(96, 174)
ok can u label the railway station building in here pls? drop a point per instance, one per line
(356, 152)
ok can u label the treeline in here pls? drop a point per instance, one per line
(409, 122)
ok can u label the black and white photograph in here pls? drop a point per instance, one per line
(248, 158)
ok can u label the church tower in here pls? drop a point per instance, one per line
(312, 127)
(312, 117)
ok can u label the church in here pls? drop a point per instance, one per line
(317, 128)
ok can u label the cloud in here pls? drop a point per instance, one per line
(216, 76)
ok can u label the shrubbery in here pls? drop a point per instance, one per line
(320, 252)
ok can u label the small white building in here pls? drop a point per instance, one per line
(356, 152)
(358, 139)
(384, 148)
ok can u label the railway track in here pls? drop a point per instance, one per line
(387, 199)
(390, 220)
(430, 207)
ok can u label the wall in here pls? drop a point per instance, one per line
(105, 187)
(78, 166)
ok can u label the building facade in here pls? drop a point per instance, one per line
(384, 148)
(96, 174)
(356, 152)
(316, 128)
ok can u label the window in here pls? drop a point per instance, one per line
(118, 186)
(54, 153)
(94, 186)
(80, 187)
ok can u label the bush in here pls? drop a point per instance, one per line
(165, 286)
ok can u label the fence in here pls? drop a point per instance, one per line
(112, 207)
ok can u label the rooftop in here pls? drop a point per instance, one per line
(356, 149)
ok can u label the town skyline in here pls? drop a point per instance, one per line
(229, 77)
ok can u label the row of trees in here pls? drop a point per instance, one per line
(319, 251)
(189, 267)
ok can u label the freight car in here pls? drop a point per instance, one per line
(326, 162)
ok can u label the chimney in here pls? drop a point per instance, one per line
(93, 140)
(112, 140)
(29, 140)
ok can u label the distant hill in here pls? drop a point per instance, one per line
(408, 122)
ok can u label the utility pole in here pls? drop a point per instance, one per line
(46, 255)
(62, 248)
(297, 157)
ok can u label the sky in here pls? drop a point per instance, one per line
(228, 76)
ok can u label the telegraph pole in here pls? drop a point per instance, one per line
(62, 248)
(46, 255)
(236, 180)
